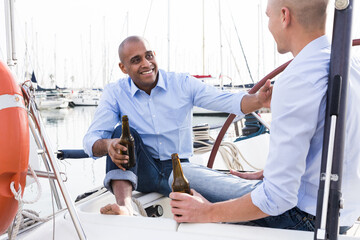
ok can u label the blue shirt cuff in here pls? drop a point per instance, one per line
(236, 102)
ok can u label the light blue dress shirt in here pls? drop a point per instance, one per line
(291, 174)
(164, 118)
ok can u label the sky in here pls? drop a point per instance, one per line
(73, 43)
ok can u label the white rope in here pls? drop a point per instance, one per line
(228, 150)
(18, 217)
(139, 207)
(25, 212)
(38, 186)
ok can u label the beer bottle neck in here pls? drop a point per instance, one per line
(177, 167)
(125, 128)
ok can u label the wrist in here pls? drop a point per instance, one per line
(212, 216)
(259, 103)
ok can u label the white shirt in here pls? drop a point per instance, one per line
(291, 174)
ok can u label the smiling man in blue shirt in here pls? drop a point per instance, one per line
(159, 106)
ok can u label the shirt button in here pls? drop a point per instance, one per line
(153, 115)
(160, 143)
(158, 132)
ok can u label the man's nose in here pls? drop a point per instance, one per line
(146, 63)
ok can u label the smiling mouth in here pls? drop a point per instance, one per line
(147, 72)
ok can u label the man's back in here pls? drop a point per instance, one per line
(351, 167)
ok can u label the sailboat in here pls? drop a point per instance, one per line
(82, 220)
(49, 98)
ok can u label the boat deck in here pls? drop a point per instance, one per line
(98, 226)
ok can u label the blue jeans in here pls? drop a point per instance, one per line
(148, 175)
(294, 219)
(216, 186)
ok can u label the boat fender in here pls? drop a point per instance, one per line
(14, 145)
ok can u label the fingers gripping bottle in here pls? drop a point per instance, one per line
(127, 140)
(180, 183)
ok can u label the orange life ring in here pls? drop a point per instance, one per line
(14, 145)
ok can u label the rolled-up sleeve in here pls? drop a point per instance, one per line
(271, 200)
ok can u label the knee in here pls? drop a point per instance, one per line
(118, 130)
(170, 179)
(134, 133)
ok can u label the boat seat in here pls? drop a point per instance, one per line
(89, 212)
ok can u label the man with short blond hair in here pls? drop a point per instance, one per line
(286, 197)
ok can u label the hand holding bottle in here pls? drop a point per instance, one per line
(115, 150)
(190, 208)
(122, 150)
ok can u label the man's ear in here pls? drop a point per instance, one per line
(122, 67)
(285, 17)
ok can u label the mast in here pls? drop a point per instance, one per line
(10, 33)
(259, 23)
(26, 57)
(89, 83)
(54, 77)
(65, 84)
(127, 23)
(104, 54)
(221, 46)
(168, 36)
(203, 36)
(329, 194)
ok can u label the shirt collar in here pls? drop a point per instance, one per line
(313, 47)
(133, 87)
(161, 84)
(310, 49)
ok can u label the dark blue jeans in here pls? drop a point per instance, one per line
(294, 219)
(148, 175)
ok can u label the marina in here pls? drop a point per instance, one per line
(50, 189)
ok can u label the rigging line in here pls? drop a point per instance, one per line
(233, 56)
(124, 24)
(242, 49)
(147, 19)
